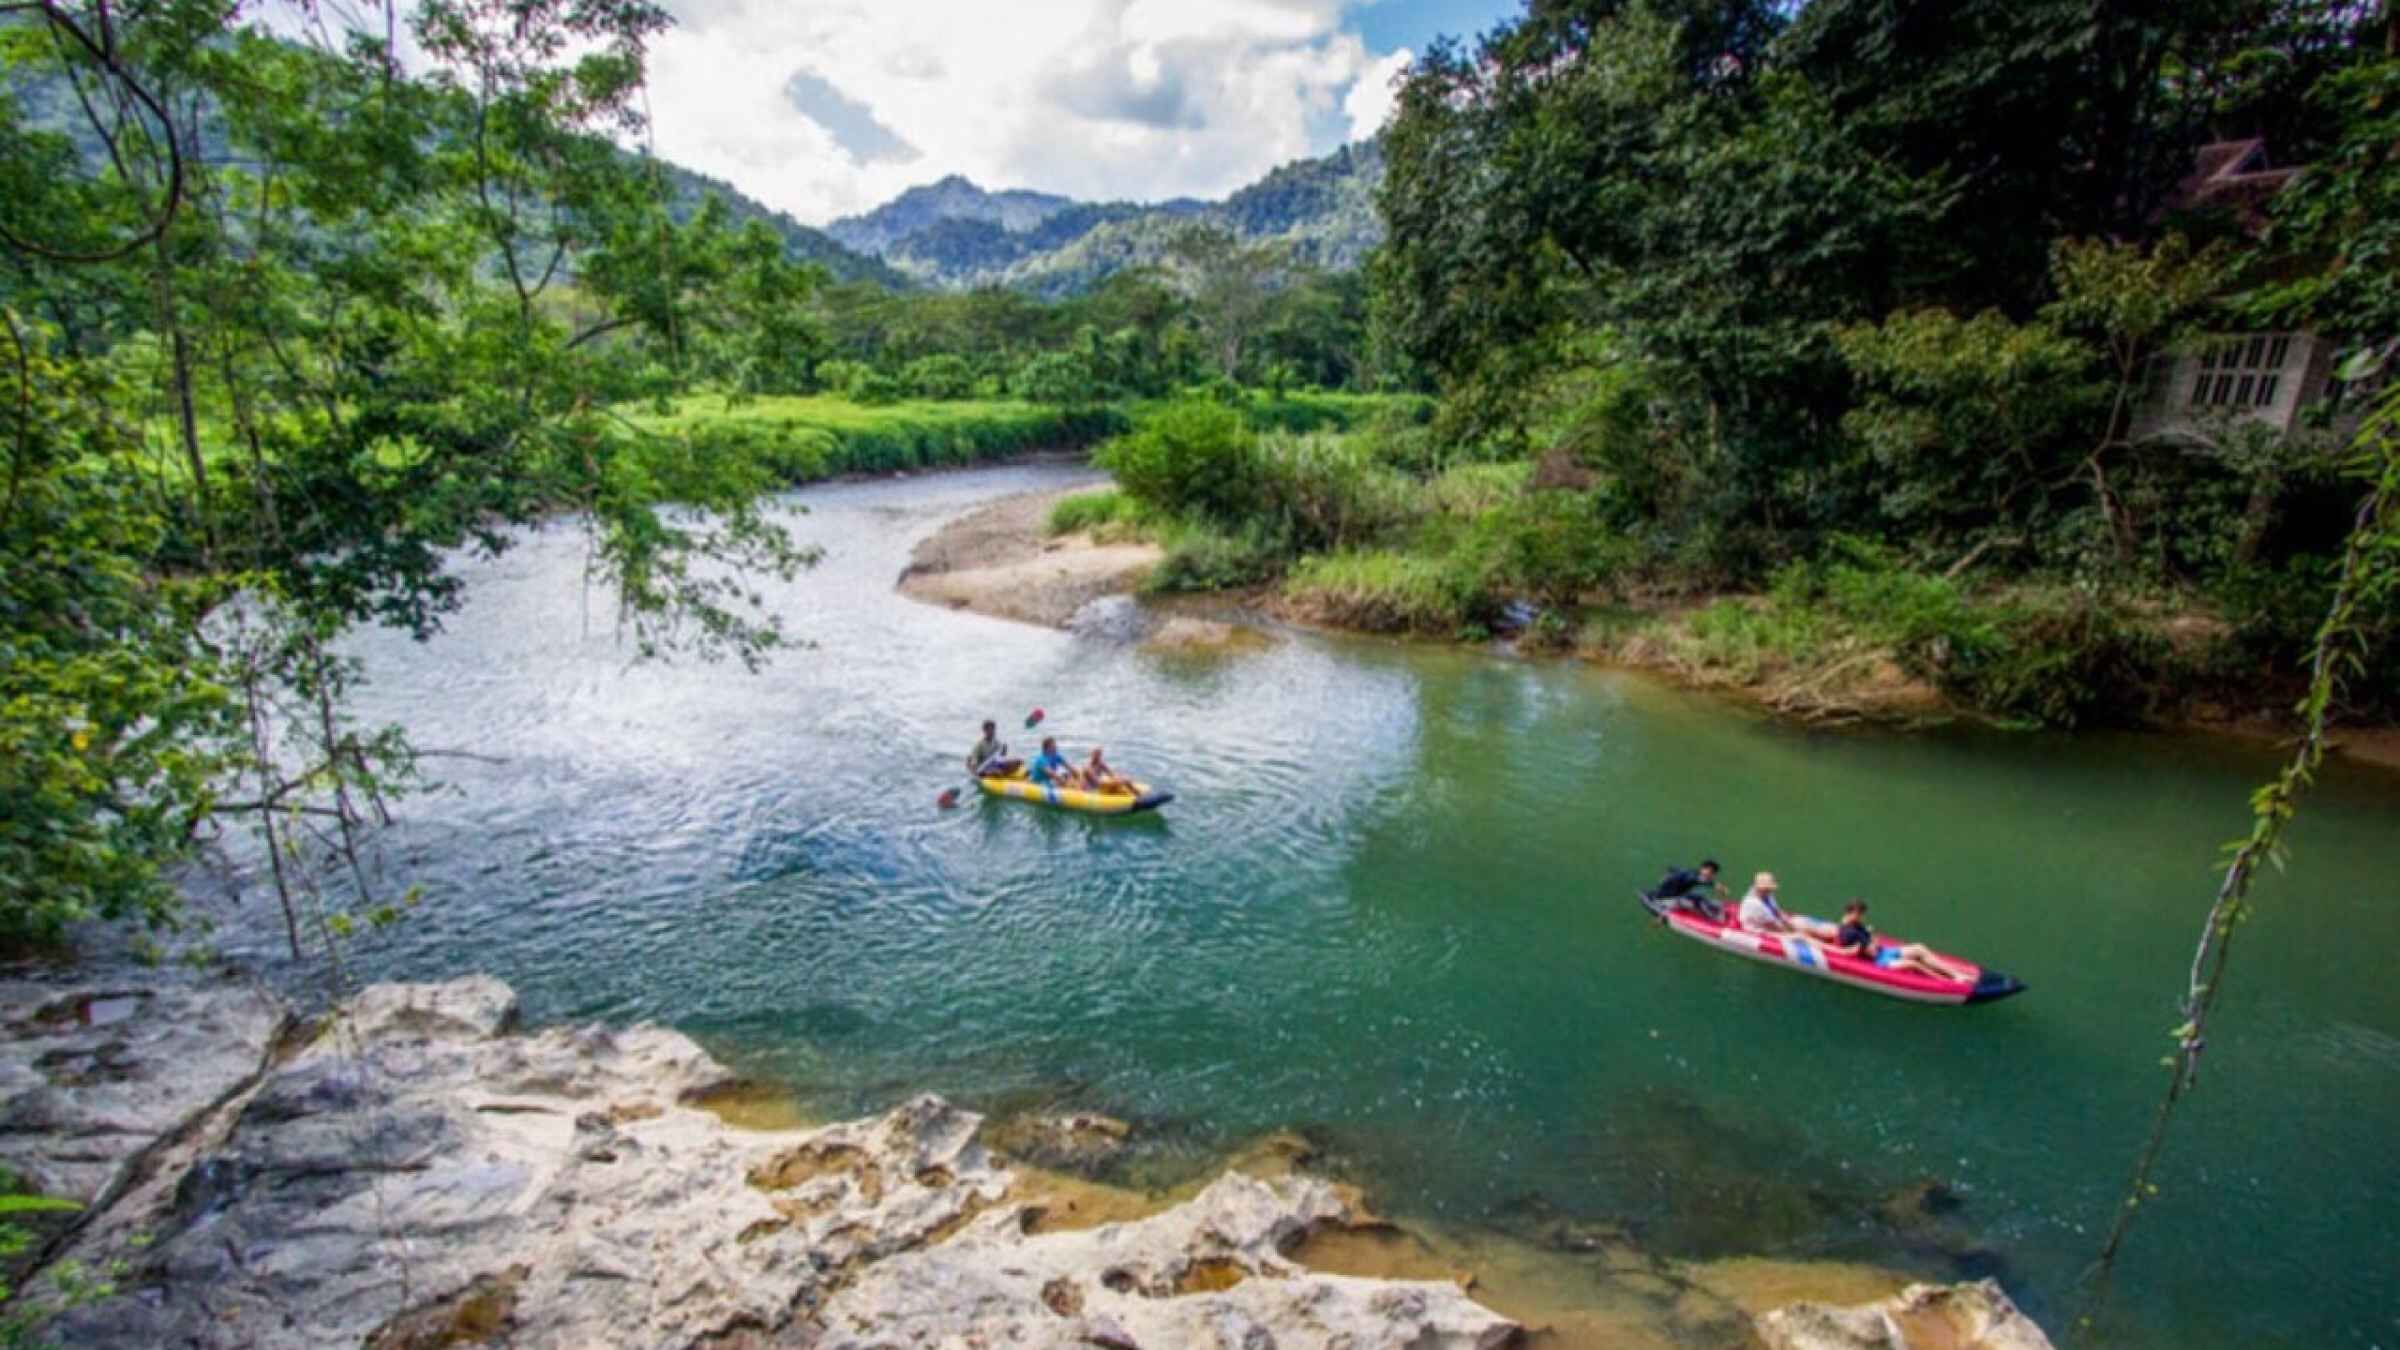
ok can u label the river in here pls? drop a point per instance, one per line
(1392, 905)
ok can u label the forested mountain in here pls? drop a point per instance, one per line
(46, 101)
(686, 188)
(951, 199)
(955, 234)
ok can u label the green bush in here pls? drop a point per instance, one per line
(1747, 640)
(1062, 378)
(945, 376)
(1384, 590)
(2061, 656)
(1469, 490)
(1092, 511)
(1329, 490)
(1303, 411)
(841, 375)
(1548, 545)
(876, 389)
(1190, 458)
(1202, 558)
(800, 440)
(2066, 658)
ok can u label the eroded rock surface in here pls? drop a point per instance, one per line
(1209, 1272)
(1976, 1316)
(92, 1077)
(420, 1176)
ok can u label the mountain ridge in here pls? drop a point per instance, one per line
(954, 234)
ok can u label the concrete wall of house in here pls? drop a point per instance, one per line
(2263, 377)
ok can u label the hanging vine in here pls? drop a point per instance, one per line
(2370, 571)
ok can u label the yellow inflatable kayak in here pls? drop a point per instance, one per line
(1016, 784)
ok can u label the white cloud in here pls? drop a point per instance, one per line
(1369, 103)
(1139, 99)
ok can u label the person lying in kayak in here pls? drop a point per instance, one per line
(1760, 914)
(1694, 888)
(990, 756)
(1854, 938)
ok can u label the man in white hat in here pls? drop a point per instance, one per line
(1760, 913)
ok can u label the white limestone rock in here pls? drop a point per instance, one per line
(1207, 1273)
(94, 1076)
(1977, 1316)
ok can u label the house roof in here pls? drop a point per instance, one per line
(2233, 175)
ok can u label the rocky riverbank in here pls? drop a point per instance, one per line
(417, 1172)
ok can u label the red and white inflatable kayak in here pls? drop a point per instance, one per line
(1811, 958)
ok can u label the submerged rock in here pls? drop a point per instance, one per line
(1976, 1316)
(1081, 1142)
(1186, 634)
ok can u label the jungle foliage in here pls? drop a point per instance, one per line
(1779, 276)
(284, 326)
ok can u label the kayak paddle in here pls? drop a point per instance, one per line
(949, 797)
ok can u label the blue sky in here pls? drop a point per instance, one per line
(1415, 23)
(829, 107)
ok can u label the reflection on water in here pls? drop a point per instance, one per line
(1391, 906)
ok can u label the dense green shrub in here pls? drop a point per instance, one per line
(1550, 546)
(1203, 558)
(943, 376)
(840, 375)
(1189, 458)
(2071, 659)
(2058, 656)
(1064, 378)
(876, 389)
(1329, 491)
(1469, 490)
(799, 440)
(1303, 411)
(1385, 590)
(1092, 511)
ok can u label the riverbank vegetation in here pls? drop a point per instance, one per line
(295, 312)
(1834, 352)
(1824, 352)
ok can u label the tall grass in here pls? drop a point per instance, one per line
(1382, 590)
(1107, 511)
(802, 439)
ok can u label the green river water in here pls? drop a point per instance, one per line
(1392, 907)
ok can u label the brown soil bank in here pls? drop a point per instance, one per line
(999, 559)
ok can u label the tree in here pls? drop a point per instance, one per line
(374, 317)
(2336, 230)
(1231, 287)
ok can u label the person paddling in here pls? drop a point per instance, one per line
(1051, 768)
(990, 756)
(1099, 777)
(1694, 888)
